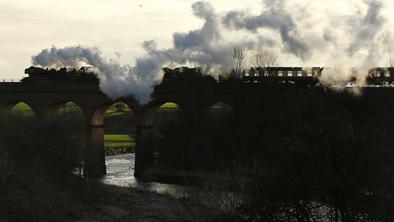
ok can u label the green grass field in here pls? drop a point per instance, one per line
(118, 127)
(118, 140)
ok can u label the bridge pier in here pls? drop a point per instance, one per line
(143, 149)
(95, 153)
(194, 135)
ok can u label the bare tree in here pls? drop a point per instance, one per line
(264, 59)
(391, 62)
(239, 62)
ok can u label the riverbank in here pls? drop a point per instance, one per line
(112, 203)
(118, 196)
(103, 203)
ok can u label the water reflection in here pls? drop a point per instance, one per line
(120, 172)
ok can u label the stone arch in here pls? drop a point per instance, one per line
(119, 126)
(221, 104)
(217, 107)
(148, 114)
(217, 130)
(98, 114)
(164, 106)
(97, 117)
(53, 110)
(97, 135)
(167, 120)
(68, 119)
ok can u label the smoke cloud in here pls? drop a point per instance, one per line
(274, 17)
(342, 34)
(115, 80)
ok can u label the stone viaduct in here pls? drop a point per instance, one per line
(248, 101)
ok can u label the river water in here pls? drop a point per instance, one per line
(120, 172)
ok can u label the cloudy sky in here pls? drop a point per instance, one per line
(120, 26)
(300, 32)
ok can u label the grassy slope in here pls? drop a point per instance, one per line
(169, 105)
(22, 109)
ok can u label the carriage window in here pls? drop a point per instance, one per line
(387, 74)
(265, 73)
(378, 73)
(309, 73)
(299, 73)
(280, 73)
(289, 73)
(256, 74)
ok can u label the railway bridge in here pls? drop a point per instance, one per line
(249, 101)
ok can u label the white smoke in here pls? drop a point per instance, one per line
(299, 33)
(320, 35)
(115, 80)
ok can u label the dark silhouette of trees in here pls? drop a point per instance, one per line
(35, 164)
(391, 62)
(239, 62)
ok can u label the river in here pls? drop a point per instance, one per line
(120, 172)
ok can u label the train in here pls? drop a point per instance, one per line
(44, 75)
(282, 76)
(268, 76)
(380, 76)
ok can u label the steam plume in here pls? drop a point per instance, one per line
(115, 80)
(297, 33)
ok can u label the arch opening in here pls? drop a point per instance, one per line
(218, 120)
(113, 141)
(119, 129)
(169, 128)
(113, 137)
(217, 127)
(22, 110)
(70, 116)
(69, 122)
(17, 117)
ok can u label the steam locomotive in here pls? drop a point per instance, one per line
(37, 74)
